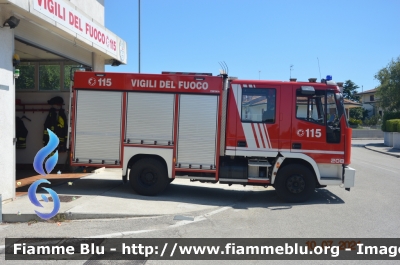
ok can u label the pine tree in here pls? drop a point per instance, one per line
(350, 91)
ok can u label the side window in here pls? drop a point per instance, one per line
(333, 118)
(26, 80)
(311, 108)
(258, 105)
(332, 111)
(36, 76)
(49, 77)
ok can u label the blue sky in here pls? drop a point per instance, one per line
(352, 39)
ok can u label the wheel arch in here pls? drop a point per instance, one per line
(296, 158)
(138, 157)
(134, 154)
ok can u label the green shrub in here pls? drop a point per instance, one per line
(353, 121)
(374, 120)
(396, 125)
(359, 113)
(388, 126)
(389, 116)
(393, 125)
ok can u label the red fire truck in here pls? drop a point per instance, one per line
(293, 136)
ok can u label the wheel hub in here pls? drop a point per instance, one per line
(148, 177)
(295, 184)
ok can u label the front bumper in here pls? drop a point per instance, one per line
(349, 177)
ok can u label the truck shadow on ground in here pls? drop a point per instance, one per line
(269, 199)
(242, 199)
(207, 194)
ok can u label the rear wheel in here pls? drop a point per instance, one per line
(295, 183)
(148, 176)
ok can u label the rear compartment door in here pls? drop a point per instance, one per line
(97, 137)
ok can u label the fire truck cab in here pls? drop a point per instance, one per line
(293, 136)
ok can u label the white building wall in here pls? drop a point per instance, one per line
(40, 30)
(91, 8)
(302, 112)
(7, 113)
(254, 112)
(98, 63)
(366, 105)
(21, 3)
(41, 37)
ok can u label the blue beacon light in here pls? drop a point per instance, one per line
(328, 78)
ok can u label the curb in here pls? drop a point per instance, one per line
(358, 145)
(368, 138)
(25, 218)
(382, 152)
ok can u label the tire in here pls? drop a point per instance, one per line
(148, 177)
(295, 183)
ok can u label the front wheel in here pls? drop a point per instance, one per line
(295, 183)
(148, 177)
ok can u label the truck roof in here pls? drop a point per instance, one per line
(279, 83)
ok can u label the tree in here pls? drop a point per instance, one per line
(350, 91)
(389, 89)
(359, 113)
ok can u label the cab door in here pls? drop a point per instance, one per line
(316, 129)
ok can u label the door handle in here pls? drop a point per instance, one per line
(296, 146)
(241, 143)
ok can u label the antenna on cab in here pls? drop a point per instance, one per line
(225, 69)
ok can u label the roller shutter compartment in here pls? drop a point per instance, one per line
(150, 118)
(197, 134)
(98, 127)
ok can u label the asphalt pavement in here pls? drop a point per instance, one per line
(103, 195)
